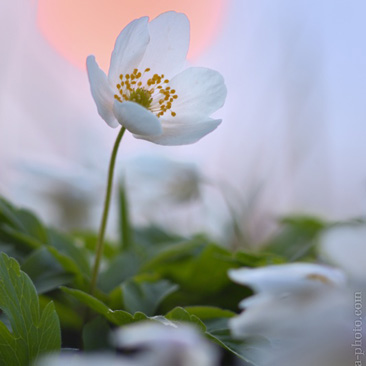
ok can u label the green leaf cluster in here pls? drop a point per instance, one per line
(147, 274)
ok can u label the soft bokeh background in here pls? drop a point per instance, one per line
(292, 137)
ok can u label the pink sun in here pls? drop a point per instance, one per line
(77, 28)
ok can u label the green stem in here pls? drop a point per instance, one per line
(103, 224)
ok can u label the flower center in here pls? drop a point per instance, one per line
(141, 96)
(155, 95)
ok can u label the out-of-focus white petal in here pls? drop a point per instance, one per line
(283, 315)
(169, 42)
(178, 133)
(129, 48)
(101, 91)
(201, 91)
(97, 359)
(346, 247)
(155, 334)
(290, 300)
(167, 345)
(137, 119)
(294, 276)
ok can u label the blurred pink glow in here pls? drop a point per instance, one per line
(77, 28)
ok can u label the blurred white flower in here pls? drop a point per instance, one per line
(305, 311)
(83, 360)
(172, 194)
(286, 296)
(64, 195)
(156, 344)
(145, 90)
(157, 180)
(167, 345)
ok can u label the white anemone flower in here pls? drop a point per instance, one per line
(285, 298)
(169, 181)
(309, 313)
(64, 194)
(146, 91)
(160, 343)
(167, 344)
(78, 359)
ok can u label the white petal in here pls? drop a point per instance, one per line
(292, 315)
(169, 42)
(200, 91)
(176, 133)
(129, 48)
(78, 359)
(101, 91)
(148, 333)
(346, 247)
(287, 277)
(137, 119)
(166, 344)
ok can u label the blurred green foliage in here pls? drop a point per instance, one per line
(146, 273)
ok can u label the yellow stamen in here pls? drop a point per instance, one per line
(151, 94)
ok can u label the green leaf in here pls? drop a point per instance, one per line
(223, 338)
(141, 294)
(73, 259)
(217, 329)
(125, 226)
(297, 238)
(32, 226)
(69, 317)
(11, 251)
(22, 220)
(20, 227)
(121, 268)
(21, 240)
(8, 215)
(46, 273)
(32, 333)
(175, 254)
(200, 270)
(89, 240)
(214, 318)
(258, 259)
(153, 239)
(213, 322)
(179, 314)
(195, 266)
(96, 335)
(118, 317)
